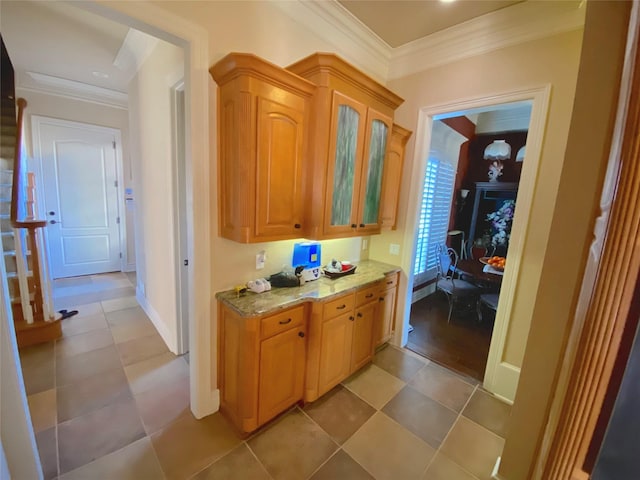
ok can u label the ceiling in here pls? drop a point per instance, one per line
(65, 42)
(399, 21)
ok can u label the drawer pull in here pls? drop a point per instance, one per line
(369, 295)
(389, 282)
(359, 315)
(353, 225)
(351, 318)
(284, 322)
(301, 334)
(381, 299)
(341, 307)
(362, 225)
(297, 225)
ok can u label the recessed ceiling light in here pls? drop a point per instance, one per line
(100, 74)
(447, 1)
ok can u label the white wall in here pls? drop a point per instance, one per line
(152, 159)
(40, 103)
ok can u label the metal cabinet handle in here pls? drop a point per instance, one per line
(284, 322)
(368, 295)
(389, 282)
(297, 225)
(362, 225)
(359, 314)
(341, 307)
(351, 318)
(301, 334)
(381, 299)
(353, 225)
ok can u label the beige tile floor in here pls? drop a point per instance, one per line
(109, 401)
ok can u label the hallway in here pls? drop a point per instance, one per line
(109, 401)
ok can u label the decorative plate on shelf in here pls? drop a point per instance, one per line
(497, 263)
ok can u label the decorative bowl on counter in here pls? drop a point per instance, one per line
(330, 274)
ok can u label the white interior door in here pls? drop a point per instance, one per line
(79, 178)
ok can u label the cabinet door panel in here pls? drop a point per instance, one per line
(362, 345)
(377, 138)
(345, 161)
(335, 351)
(383, 325)
(282, 364)
(280, 150)
(393, 176)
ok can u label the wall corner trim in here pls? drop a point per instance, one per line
(155, 318)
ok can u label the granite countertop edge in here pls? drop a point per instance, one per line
(252, 304)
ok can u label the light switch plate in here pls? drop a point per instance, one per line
(261, 257)
(394, 249)
(365, 243)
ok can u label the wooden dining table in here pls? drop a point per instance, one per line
(474, 268)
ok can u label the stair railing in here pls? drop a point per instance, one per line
(29, 242)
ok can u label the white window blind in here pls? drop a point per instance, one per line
(434, 217)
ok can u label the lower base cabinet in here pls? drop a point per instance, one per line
(386, 310)
(267, 364)
(282, 361)
(335, 351)
(261, 364)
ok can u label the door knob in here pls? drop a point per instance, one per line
(52, 222)
(52, 213)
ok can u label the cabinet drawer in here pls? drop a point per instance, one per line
(338, 306)
(366, 295)
(282, 321)
(390, 280)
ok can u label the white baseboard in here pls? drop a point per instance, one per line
(168, 337)
(129, 267)
(211, 405)
(423, 292)
(494, 473)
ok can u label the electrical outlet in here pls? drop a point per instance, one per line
(394, 249)
(365, 243)
(261, 257)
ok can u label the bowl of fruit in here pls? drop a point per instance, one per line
(496, 263)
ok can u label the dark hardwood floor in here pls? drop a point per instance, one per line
(461, 345)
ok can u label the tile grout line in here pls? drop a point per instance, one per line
(438, 450)
(246, 443)
(328, 435)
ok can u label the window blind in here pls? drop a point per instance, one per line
(434, 217)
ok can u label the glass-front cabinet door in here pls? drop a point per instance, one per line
(377, 137)
(345, 164)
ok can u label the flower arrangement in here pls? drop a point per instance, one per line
(501, 221)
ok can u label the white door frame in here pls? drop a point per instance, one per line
(179, 131)
(194, 38)
(36, 122)
(501, 377)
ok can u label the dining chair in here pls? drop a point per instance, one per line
(489, 300)
(456, 289)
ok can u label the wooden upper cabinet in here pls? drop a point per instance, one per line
(353, 115)
(392, 179)
(345, 164)
(263, 120)
(373, 168)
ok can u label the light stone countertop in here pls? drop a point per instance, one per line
(252, 304)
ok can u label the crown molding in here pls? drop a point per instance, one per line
(351, 38)
(517, 24)
(64, 87)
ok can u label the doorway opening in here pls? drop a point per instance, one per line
(501, 375)
(468, 204)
